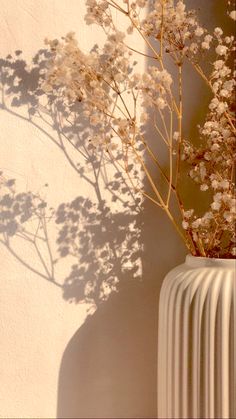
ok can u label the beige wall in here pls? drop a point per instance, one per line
(61, 357)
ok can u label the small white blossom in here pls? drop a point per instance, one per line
(97, 140)
(216, 206)
(218, 64)
(185, 225)
(215, 184)
(228, 217)
(161, 103)
(205, 45)
(188, 213)
(224, 184)
(208, 216)
(218, 31)
(233, 14)
(176, 136)
(224, 93)
(204, 187)
(221, 50)
(199, 31)
(197, 223)
(215, 147)
(141, 3)
(208, 38)
(228, 39)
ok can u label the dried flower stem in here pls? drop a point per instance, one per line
(180, 116)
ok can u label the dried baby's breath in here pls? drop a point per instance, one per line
(119, 103)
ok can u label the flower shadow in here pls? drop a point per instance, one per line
(105, 247)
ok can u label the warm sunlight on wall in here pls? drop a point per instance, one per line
(58, 355)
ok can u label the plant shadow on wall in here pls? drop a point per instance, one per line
(104, 244)
(109, 366)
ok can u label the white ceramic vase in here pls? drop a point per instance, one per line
(196, 342)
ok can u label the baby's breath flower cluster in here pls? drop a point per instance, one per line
(119, 102)
(213, 162)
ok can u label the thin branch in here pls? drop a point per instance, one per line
(179, 127)
(51, 280)
(170, 159)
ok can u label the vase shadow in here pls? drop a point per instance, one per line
(109, 366)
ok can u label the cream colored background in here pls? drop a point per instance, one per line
(55, 359)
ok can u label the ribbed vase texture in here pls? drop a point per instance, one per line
(197, 340)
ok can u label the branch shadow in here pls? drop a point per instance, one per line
(24, 217)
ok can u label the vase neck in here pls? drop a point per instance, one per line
(197, 262)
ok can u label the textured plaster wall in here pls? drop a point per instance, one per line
(36, 322)
(62, 358)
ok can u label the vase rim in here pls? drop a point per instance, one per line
(197, 261)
